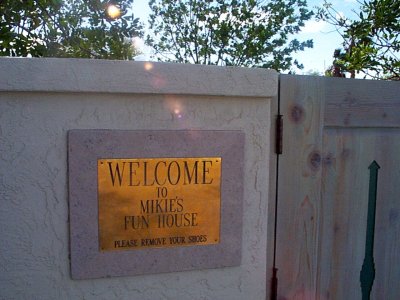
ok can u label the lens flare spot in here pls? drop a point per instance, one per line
(113, 11)
(148, 66)
(177, 109)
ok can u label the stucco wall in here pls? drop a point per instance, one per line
(41, 99)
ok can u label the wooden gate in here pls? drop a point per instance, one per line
(341, 151)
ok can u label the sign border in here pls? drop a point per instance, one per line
(86, 146)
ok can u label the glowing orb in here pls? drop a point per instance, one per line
(113, 11)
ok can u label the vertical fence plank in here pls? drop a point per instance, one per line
(272, 198)
(299, 186)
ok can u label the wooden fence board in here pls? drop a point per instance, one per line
(299, 187)
(361, 103)
(333, 130)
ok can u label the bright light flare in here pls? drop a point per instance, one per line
(113, 11)
(148, 66)
(177, 112)
(175, 107)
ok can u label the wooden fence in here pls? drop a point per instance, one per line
(339, 171)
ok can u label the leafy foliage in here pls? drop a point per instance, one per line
(70, 28)
(338, 66)
(371, 44)
(228, 32)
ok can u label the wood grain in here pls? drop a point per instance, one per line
(333, 130)
(362, 103)
(300, 187)
(344, 217)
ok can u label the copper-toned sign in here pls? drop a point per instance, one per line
(158, 202)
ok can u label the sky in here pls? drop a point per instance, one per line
(325, 37)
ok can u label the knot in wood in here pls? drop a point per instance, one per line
(314, 160)
(296, 114)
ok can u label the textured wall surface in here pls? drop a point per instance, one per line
(34, 250)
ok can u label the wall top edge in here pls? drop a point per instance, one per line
(107, 76)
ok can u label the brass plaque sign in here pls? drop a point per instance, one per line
(158, 202)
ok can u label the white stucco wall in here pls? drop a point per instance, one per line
(41, 99)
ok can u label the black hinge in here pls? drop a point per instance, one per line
(274, 285)
(279, 135)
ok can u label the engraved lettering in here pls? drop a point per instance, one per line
(145, 175)
(189, 175)
(132, 172)
(158, 202)
(136, 222)
(206, 171)
(116, 172)
(156, 173)
(177, 176)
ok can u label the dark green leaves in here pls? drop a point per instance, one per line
(371, 43)
(232, 32)
(69, 28)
